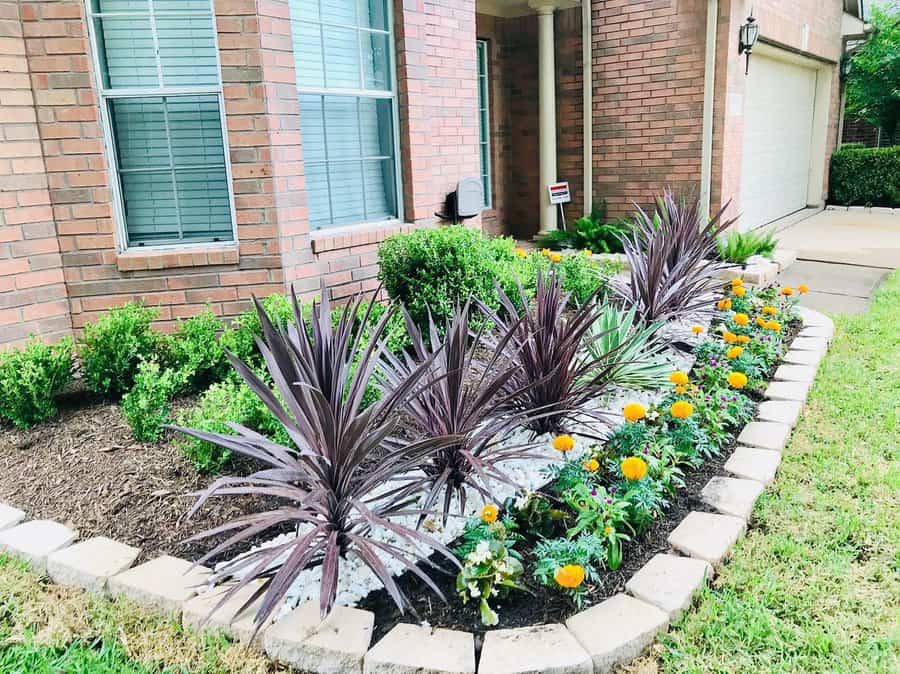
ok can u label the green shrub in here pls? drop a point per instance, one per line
(146, 406)
(435, 268)
(224, 402)
(737, 247)
(865, 176)
(196, 353)
(31, 378)
(581, 276)
(112, 349)
(240, 337)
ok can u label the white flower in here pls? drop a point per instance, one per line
(481, 553)
(473, 590)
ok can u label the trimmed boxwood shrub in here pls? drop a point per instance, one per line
(434, 268)
(865, 176)
(112, 348)
(31, 378)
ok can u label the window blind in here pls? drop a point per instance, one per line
(347, 110)
(484, 121)
(162, 95)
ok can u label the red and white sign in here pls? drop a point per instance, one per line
(559, 193)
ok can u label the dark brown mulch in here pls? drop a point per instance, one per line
(85, 469)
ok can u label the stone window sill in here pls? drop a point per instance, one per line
(206, 256)
(356, 235)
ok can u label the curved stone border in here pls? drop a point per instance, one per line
(596, 640)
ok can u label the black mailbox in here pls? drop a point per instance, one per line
(466, 201)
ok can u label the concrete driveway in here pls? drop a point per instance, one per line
(842, 255)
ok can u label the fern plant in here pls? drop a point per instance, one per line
(738, 247)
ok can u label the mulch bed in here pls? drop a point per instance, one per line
(84, 468)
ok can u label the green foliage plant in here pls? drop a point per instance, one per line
(112, 349)
(31, 378)
(146, 406)
(196, 353)
(865, 176)
(587, 551)
(738, 247)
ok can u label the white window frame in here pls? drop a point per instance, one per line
(391, 95)
(104, 96)
(482, 52)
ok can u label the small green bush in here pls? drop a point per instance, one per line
(240, 337)
(229, 401)
(112, 349)
(31, 378)
(738, 247)
(435, 268)
(865, 176)
(146, 405)
(196, 353)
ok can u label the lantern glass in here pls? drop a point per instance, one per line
(752, 34)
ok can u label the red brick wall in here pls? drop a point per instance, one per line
(438, 94)
(32, 287)
(570, 108)
(648, 98)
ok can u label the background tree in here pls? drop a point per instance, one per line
(873, 84)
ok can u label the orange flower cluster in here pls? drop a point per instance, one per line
(489, 513)
(724, 305)
(634, 468)
(681, 409)
(563, 443)
(634, 412)
(737, 380)
(569, 576)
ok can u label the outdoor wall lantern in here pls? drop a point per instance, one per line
(747, 38)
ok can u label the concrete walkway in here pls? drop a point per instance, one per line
(843, 256)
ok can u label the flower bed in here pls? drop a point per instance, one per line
(517, 457)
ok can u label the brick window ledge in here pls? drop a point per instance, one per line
(323, 240)
(144, 260)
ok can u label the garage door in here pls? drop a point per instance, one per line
(778, 122)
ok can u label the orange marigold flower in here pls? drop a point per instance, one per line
(737, 281)
(569, 576)
(787, 291)
(588, 252)
(634, 412)
(741, 319)
(563, 443)
(591, 465)
(521, 252)
(802, 288)
(697, 329)
(634, 468)
(769, 311)
(729, 337)
(760, 321)
(724, 305)
(678, 377)
(681, 409)
(489, 513)
(607, 530)
(680, 389)
(774, 326)
(734, 352)
(737, 380)
(739, 291)
(555, 257)
(743, 339)
(545, 252)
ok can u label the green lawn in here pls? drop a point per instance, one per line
(815, 585)
(49, 629)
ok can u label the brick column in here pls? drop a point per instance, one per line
(33, 296)
(438, 95)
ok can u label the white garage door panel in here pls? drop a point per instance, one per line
(779, 101)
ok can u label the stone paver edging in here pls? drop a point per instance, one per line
(595, 640)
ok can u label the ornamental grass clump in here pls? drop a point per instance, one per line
(555, 375)
(671, 254)
(468, 398)
(333, 488)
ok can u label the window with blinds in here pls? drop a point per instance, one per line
(484, 120)
(161, 96)
(342, 53)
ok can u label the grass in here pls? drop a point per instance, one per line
(49, 629)
(815, 585)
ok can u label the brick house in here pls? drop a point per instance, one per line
(194, 152)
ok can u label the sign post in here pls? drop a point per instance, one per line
(559, 195)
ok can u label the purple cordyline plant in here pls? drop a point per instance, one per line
(557, 376)
(331, 488)
(672, 260)
(466, 396)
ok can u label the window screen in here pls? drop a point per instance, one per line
(161, 92)
(484, 121)
(342, 52)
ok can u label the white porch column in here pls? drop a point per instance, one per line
(546, 108)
